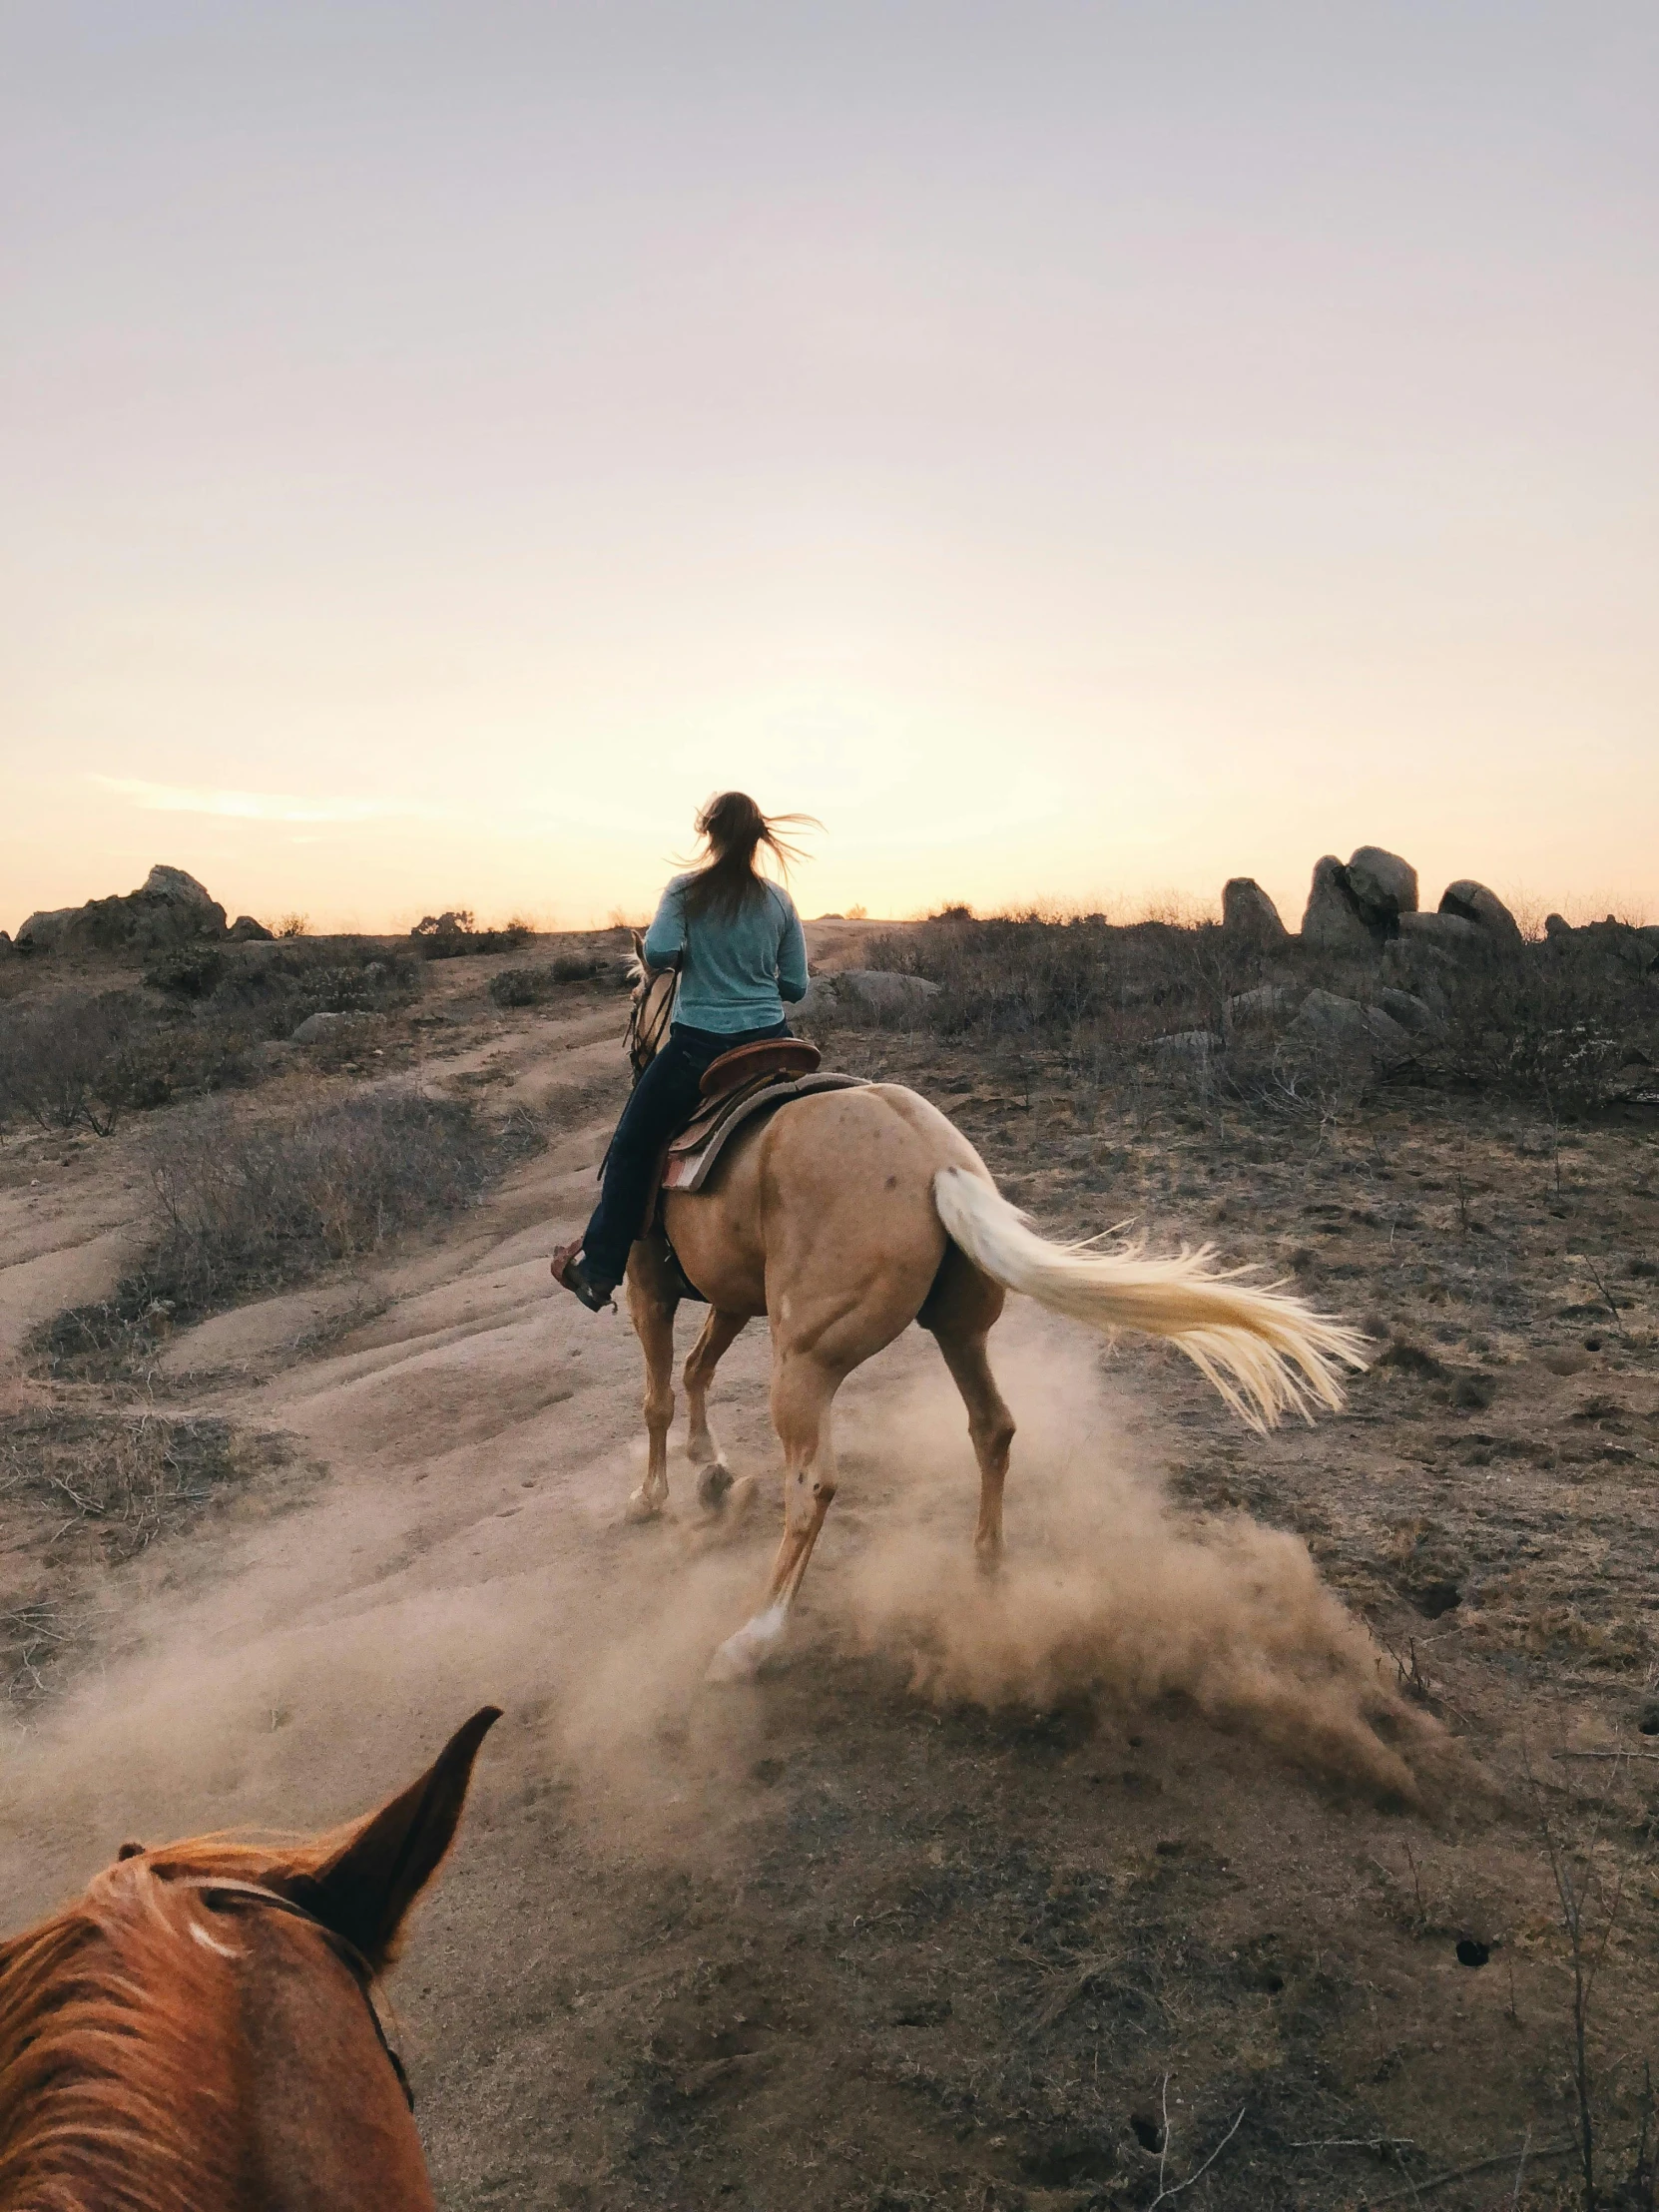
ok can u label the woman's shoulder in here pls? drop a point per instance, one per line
(782, 903)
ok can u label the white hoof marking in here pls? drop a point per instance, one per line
(740, 1655)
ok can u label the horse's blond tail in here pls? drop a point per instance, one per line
(1266, 1352)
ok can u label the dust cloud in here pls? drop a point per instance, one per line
(312, 1664)
(1108, 1595)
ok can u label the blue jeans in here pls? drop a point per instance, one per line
(665, 1099)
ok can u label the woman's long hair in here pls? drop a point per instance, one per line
(734, 828)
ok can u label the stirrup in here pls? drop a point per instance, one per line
(569, 1273)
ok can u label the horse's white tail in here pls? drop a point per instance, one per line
(1266, 1352)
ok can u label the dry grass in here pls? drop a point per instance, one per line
(247, 1204)
(83, 1059)
(84, 1487)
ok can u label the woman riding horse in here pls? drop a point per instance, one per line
(736, 937)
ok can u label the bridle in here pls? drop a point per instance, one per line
(219, 1888)
(648, 1024)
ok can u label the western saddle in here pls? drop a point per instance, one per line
(752, 1080)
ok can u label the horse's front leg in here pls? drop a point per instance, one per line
(801, 1391)
(652, 1305)
(717, 1335)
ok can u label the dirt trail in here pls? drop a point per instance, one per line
(922, 1918)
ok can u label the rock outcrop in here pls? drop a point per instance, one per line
(169, 909)
(1250, 915)
(245, 930)
(1611, 942)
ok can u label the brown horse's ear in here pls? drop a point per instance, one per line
(638, 936)
(129, 1851)
(365, 1888)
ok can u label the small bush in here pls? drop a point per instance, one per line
(455, 937)
(530, 986)
(248, 1205)
(190, 973)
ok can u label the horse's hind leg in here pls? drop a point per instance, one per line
(802, 1389)
(714, 1340)
(652, 1306)
(991, 1425)
(959, 1311)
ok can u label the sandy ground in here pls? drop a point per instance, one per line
(979, 1898)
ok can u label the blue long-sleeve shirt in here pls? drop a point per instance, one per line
(738, 969)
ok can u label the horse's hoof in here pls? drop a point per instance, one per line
(641, 1507)
(739, 1656)
(712, 1487)
(743, 1498)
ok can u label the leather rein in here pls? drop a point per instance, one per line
(217, 1887)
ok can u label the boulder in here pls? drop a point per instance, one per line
(1256, 1005)
(245, 930)
(880, 992)
(1187, 1047)
(1382, 886)
(1412, 1013)
(1248, 913)
(1332, 921)
(315, 1027)
(1472, 901)
(1341, 1028)
(169, 909)
(1447, 932)
(1557, 925)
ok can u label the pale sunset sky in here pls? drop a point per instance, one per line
(1082, 451)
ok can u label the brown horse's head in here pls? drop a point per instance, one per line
(651, 1008)
(197, 2029)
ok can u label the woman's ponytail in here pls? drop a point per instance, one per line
(735, 828)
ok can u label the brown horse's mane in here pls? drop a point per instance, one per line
(106, 2090)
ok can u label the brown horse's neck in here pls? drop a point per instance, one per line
(157, 2055)
(328, 2124)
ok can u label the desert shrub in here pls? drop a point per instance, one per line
(160, 1061)
(61, 1060)
(274, 989)
(455, 935)
(190, 973)
(529, 986)
(245, 1204)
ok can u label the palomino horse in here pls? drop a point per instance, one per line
(849, 1213)
(197, 2032)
